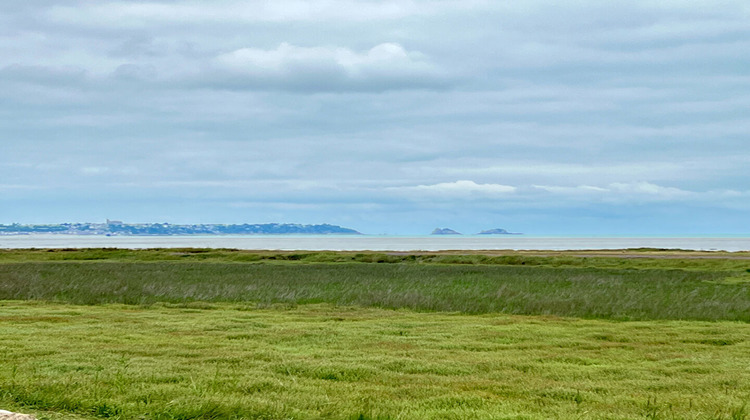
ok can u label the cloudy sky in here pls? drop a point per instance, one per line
(396, 117)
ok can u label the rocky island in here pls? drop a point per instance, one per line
(496, 231)
(444, 231)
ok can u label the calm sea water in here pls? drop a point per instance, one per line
(375, 243)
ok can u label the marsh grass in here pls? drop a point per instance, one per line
(321, 361)
(221, 334)
(642, 258)
(565, 291)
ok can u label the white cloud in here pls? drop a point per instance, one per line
(647, 188)
(384, 66)
(457, 189)
(620, 191)
(571, 191)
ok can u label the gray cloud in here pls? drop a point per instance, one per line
(384, 66)
(144, 15)
(44, 75)
(418, 111)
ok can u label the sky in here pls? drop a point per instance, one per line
(389, 117)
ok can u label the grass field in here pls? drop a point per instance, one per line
(204, 334)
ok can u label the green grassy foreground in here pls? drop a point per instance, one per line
(214, 334)
(319, 361)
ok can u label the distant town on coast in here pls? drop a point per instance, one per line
(116, 227)
(119, 228)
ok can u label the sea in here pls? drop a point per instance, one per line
(377, 242)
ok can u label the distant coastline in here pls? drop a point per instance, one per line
(118, 228)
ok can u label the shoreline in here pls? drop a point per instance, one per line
(295, 254)
(363, 243)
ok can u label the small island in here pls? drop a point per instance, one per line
(497, 231)
(444, 231)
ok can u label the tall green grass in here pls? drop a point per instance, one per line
(564, 291)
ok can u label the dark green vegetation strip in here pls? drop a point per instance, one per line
(641, 258)
(622, 293)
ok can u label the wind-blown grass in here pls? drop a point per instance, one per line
(319, 361)
(580, 292)
(221, 334)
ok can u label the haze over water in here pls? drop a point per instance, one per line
(376, 243)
